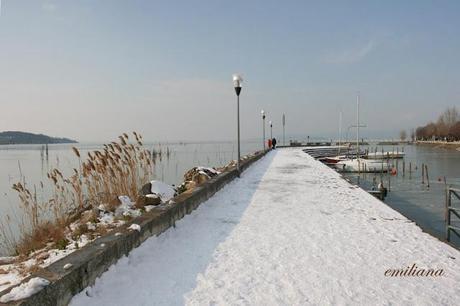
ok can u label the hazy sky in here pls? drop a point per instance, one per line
(91, 70)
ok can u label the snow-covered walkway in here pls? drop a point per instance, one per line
(290, 231)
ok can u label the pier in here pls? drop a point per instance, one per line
(289, 231)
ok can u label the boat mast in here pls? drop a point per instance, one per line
(340, 131)
(357, 126)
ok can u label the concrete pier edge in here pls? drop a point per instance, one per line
(92, 260)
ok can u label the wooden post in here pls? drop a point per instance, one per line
(404, 168)
(410, 170)
(423, 174)
(389, 181)
(393, 157)
(427, 178)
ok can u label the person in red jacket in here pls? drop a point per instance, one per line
(269, 144)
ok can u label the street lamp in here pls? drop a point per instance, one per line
(263, 128)
(271, 130)
(284, 132)
(237, 81)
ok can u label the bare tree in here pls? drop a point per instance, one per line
(450, 116)
(446, 127)
(403, 135)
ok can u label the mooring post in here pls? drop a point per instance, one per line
(423, 174)
(393, 157)
(389, 182)
(410, 170)
(404, 168)
(427, 178)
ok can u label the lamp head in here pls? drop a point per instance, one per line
(237, 82)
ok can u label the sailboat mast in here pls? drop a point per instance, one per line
(340, 131)
(357, 126)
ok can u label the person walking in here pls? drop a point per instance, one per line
(269, 141)
(274, 143)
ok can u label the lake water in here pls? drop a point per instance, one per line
(30, 161)
(425, 205)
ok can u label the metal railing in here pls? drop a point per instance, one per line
(452, 193)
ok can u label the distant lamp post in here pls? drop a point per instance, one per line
(271, 130)
(237, 81)
(284, 132)
(263, 128)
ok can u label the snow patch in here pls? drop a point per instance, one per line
(135, 227)
(163, 190)
(68, 266)
(25, 290)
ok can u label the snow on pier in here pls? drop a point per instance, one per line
(290, 231)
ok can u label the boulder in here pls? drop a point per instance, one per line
(146, 189)
(149, 199)
(200, 175)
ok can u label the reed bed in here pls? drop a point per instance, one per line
(120, 168)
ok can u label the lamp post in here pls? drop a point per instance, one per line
(284, 132)
(263, 127)
(271, 130)
(237, 81)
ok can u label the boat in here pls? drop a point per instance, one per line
(324, 151)
(361, 165)
(384, 155)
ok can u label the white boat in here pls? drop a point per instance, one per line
(361, 165)
(385, 155)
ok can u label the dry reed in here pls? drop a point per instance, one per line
(120, 168)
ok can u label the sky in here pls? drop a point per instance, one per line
(91, 70)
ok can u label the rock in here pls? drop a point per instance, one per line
(7, 260)
(198, 174)
(146, 189)
(113, 204)
(149, 199)
(43, 256)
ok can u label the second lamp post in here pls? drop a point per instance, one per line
(263, 128)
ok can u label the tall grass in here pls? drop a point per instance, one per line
(120, 168)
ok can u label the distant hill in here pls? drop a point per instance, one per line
(14, 137)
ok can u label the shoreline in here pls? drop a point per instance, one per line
(440, 144)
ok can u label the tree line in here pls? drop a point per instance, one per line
(447, 127)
